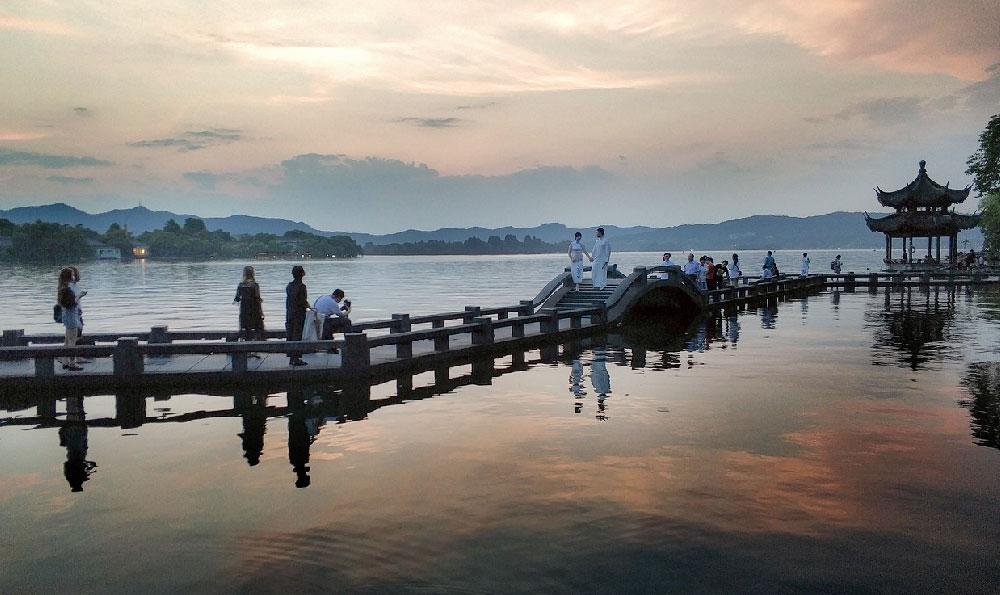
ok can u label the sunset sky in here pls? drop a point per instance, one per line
(385, 115)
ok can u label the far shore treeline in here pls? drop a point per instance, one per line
(493, 245)
(43, 242)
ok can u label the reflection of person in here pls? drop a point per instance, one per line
(251, 312)
(254, 428)
(733, 330)
(599, 377)
(73, 435)
(576, 380)
(299, 440)
(600, 257)
(576, 253)
(335, 312)
(296, 304)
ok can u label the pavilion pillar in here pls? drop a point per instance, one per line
(937, 250)
(929, 241)
(888, 248)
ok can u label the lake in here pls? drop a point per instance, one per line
(839, 442)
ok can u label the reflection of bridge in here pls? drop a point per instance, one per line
(385, 349)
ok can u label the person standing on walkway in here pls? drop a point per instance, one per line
(78, 294)
(691, 268)
(769, 260)
(251, 311)
(835, 265)
(296, 304)
(734, 270)
(805, 264)
(70, 315)
(600, 258)
(576, 253)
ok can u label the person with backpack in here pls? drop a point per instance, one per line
(70, 315)
(835, 265)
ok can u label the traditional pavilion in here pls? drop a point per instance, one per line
(922, 211)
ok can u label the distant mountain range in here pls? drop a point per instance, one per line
(779, 232)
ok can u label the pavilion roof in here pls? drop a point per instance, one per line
(922, 223)
(922, 192)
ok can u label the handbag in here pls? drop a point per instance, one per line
(57, 313)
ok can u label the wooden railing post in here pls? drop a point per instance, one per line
(442, 342)
(356, 355)
(12, 337)
(517, 329)
(400, 324)
(45, 367)
(158, 334)
(128, 362)
(483, 333)
(471, 313)
(550, 325)
(527, 308)
(239, 361)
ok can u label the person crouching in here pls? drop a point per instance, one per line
(335, 311)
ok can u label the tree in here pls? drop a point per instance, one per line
(193, 226)
(171, 226)
(120, 238)
(990, 225)
(984, 164)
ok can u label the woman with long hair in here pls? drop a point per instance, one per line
(66, 298)
(251, 312)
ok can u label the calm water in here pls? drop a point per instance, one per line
(835, 443)
(134, 296)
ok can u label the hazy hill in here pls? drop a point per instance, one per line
(833, 230)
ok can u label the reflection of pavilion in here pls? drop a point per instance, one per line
(913, 327)
(983, 384)
(921, 212)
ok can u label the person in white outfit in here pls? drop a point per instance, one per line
(805, 264)
(601, 256)
(734, 271)
(576, 253)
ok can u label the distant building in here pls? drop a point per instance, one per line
(140, 250)
(103, 251)
(922, 211)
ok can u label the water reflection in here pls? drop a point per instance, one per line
(982, 381)
(914, 328)
(254, 413)
(73, 436)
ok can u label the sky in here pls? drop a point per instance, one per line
(387, 115)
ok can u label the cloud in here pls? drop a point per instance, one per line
(985, 94)
(432, 122)
(81, 111)
(487, 105)
(11, 135)
(69, 180)
(8, 157)
(889, 110)
(35, 26)
(204, 179)
(194, 140)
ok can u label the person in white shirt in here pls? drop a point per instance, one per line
(335, 311)
(766, 275)
(666, 262)
(600, 257)
(576, 252)
(805, 264)
(691, 268)
(734, 270)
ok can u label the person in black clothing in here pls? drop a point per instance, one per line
(296, 304)
(251, 312)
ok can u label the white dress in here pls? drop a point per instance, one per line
(805, 266)
(601, 256)
(576, 262)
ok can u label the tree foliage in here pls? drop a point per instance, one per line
(990, 225)
(49, 242)
(193, 240)
(493, 245)
(984, 164)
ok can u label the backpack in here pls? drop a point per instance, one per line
(57, 313)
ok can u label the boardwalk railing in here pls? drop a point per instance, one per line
(129, 354)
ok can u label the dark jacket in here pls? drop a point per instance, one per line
(296, 301)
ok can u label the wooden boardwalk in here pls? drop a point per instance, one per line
(386, 349)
